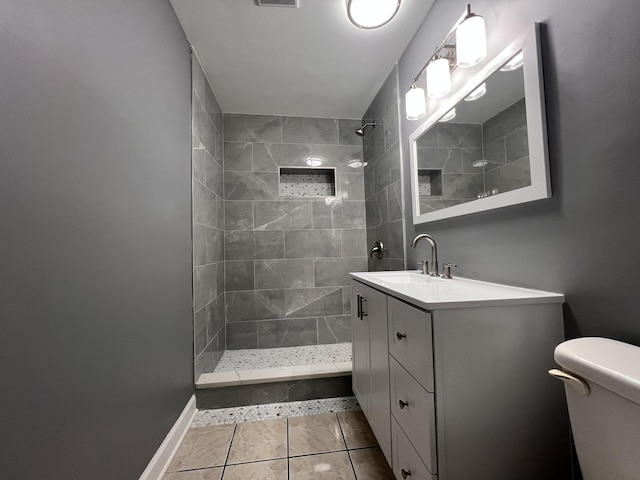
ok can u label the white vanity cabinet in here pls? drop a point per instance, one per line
(464, 378)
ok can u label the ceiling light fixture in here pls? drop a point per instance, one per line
(369, 14)
(313, 161)
(469, 49)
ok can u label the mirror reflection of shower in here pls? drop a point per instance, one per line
(485, 193)
(360, 131)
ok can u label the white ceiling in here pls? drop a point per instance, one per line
(307, 61)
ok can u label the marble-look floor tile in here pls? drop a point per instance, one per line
(202, 448)
(370, 464)
(269, 470)
(255, 441)
(315, 434)
(330, 466)
(356, 430)
(202, 474)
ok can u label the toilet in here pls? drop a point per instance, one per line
(602, 385)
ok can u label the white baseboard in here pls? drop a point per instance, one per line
(160, 461)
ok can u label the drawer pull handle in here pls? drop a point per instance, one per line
(405, 473)
(403, 404)
(401, 335)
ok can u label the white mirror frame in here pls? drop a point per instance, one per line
(540, 187)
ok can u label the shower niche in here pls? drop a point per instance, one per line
(307, 182)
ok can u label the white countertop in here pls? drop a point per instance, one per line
(432, 293)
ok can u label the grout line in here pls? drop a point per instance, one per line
(235, 427)
(344, 439)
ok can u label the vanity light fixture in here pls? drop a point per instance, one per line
(370, 14)
(313, 161)
(469, 49)
(450, 115)
(477, 93)
(356, 163)
(471, 40)
(416, 106)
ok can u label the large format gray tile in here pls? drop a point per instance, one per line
(240, 335)
(251, 186)
(254, 441)
(509, 120)
(350, 186)
(329, 387)
(238, 214)
(252, 128)
(245, 245)
(447, 159)
(214, 245)
(284, 214)
(387, 169)
(337, 155)
(200, 330)
(312, 244)
(394, 207)
(354, 242)
(335, 271)
(459, 135)
(199, 245)
(335, 329)
(215, 317)
(329, 466)
(265, 470)
(313, 302)
(310, 130)
(202, 448)
(289, 273)
(242, 395)
(287, 333)
(205, 285)
(199, 165)
(322, 213)
(347, 132)
(348, 214)
(238, 156)
(214, 175)
(517, 145)
(268, 157)
(254, 305)
(315, 434)
(239, 275)
(386, 96)
(204, 205)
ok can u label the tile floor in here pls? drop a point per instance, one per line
(331, 446)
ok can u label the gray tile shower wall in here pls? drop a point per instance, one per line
(287, 258)
(208, 224)
(383, 184)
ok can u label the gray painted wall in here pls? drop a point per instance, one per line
(95, 238)
(287, 259)
(584, 240)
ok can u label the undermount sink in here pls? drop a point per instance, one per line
(404, 278)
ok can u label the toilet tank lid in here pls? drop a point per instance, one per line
(611, 364)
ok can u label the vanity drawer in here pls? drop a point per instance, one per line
(406, 461)
(414, 409)
(411, 339)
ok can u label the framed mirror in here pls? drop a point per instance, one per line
(485, 146)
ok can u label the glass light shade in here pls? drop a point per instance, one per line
(514, 63)
(372, 13)
(471, 41)
(450, 115)
(438, 78)
(415, 103)
(313, 161)
(477, 93)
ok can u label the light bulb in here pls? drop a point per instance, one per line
(371, 13)
(416, 107)
(471, 41)
(438, 78)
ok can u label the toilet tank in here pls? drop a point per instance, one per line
(606, 421)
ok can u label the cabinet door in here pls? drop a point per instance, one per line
(361, 369)
(374, 306)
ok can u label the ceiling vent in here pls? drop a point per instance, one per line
(278, 3)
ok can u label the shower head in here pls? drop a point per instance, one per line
(360, 131)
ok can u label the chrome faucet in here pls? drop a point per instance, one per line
(434, 252)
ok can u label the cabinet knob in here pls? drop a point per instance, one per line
(403, 404)
(401, 335)
(405, 473)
